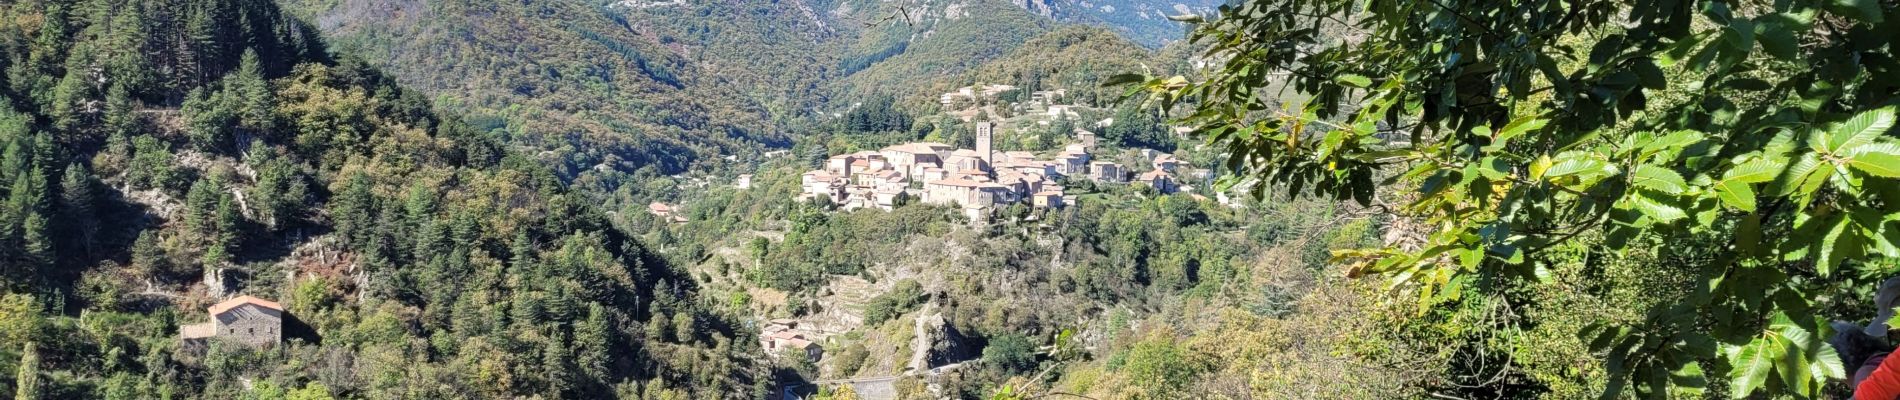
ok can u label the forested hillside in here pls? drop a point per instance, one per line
(570, 77)
(162, 155)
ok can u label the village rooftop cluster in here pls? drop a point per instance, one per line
(976, 180)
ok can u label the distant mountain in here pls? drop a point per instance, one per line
(1144, 21)
(604, 89)
(568, 77)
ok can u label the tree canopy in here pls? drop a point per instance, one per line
(1749, 143)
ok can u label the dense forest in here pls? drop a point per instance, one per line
(1454, 199)
(573, 78)
(161, 155)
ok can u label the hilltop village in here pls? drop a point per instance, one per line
(982, 179)
(976, 180)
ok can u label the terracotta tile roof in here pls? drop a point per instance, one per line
(234, 302)
(919, 148)
(958, 181)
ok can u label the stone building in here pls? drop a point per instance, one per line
(243, 319)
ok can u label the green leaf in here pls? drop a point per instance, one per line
(1754, 171)
(1807, 175)
(1540, 167)
(1651, 76)
(1355, 81)
(1493, 168)
(1688, 378)
(1864, 10)
(1123, 79)
(1519, 127)
(1792, 365)
(1826, 364)
(1658, 178)
(1862, 129)
(1776, 36)
(1751, 365)
(1657, 209)
(1583, 167)
(1736, 194)
(1681, 49)
(1740, 36)
(1878, 159)
(1840, 242)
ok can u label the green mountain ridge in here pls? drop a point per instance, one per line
(153, 161)
(562, 76)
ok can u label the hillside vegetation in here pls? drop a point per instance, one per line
(569, 77)
(162, 155)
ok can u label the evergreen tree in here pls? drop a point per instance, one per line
(593, 340)
(353, 211)
(209, 119)
(151, 165)
(125, 47)
(816, 154)
(558, 365)
(26, 386)
(15, 160)
(75, 102)
(36, 242)
(251, 94)
(148, 257)
(200, 203)
(78, 199)
(26, 209)
(225, 220)
(119, 116)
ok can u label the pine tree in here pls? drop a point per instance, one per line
(75, 99)
(278, 198)
(200, 202)
(76, 208)
(224, 239)
(816, 154)
(659, 327)
(27, 207)
(593, 340)
(148, 257)
(126, 64)
(15, 160)
(36, 242)
(521, 252)
(209, 119)
(120, 118)
(558, 365)
(35, 78)
(251, 93)
(26, 386)
(151, 164)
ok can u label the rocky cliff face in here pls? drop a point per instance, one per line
(1038, 7)
(937, 343)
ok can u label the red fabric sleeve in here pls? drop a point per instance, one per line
(1883, 384)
